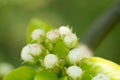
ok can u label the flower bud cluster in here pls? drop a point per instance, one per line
(70, 39)
(43, 44)
(41, 49)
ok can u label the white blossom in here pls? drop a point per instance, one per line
(25, 54)
(5, 68)
(74, 72)
(53, 35)
(38, 34)
(101, 76)
(64, 31)
(35, 50)
(88, 53)
(70, 40)
(75, 55)
(50, 61)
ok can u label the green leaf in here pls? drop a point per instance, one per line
(93, 66)
(22, 73)
(45, 75)
(36, 24)
(60, 49)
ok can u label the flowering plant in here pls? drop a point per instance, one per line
(54, 54)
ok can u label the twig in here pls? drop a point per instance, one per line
(102, 26)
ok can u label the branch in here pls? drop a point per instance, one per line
(102, 26)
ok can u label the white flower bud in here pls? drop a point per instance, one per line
(53, 35)
(38, 34)
(35, 50)
(5, 68)
(74, 72)
(88, 53)
(64, 31)
(25, 54)
(70, 40)
(75, 55)
(50, 61)
(101, 76)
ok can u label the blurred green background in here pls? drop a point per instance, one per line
(15, 16)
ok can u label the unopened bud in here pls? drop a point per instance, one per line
(70, 40)
(5, 68)
(64, 31)
(74, 72)
(88, 53)
(50, 61)
(25, 54)
(76, 55)
(101, 76)
(53, 35)
(35, 50)
(38, 35)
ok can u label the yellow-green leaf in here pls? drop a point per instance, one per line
(45, 75)
(95, 65)
(22, 73)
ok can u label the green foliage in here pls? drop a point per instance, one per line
(28, 73)
(21, 73)
(45, 75)
(60, 49)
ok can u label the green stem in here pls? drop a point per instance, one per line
(102, 26)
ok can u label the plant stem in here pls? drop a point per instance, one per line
(102, 26)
